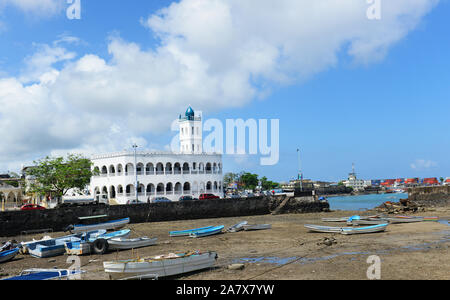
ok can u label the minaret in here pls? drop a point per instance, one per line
(191, 134)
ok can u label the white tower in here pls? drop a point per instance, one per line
(191, 134)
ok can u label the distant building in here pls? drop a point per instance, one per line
(355, 183)
(447, 181)
(306, 184)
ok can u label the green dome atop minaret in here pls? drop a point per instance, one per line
(190, 114)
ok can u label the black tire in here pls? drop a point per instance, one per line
(100, 246)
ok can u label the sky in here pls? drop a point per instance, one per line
(345, 87)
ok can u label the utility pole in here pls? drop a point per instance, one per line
(300, 175)
(135, 171)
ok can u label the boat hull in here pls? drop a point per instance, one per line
(125, 244)
(187, 232)
(207, 232)
(324, 229)
(257, 227)
(8, 255)
(361, 230)
(117, 224)
(160, 267)
(238, 227)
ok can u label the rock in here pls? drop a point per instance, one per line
(52, 260)
(236, 267)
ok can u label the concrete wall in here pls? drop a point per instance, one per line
(430, 196)
(13, 223)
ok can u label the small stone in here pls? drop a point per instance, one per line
(236, 267)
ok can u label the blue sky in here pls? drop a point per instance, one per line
(376, 96)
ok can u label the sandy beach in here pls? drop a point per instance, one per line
(288, 251)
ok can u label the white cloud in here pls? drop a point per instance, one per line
(36, 7)
(213, 54)
(422, 164)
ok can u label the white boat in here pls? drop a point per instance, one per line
(124, 244)
(237, 227)
(110, 225)
(161, 266)
(348, 230)
(368, 222)
(399, 220)
(257, 227)
(324, 229)
(344, 219)
(367, 229)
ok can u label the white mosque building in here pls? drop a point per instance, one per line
(148, 175)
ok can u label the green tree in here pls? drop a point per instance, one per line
(229, 178)
(267, 184)
(55, 176)
(249, 181)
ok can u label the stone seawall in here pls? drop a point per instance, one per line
(13, 223)
(430, 196)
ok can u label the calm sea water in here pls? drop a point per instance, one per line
(363, 202)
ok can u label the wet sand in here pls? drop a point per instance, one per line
(288, 251)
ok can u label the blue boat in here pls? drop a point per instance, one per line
(368, 229)
(93, 244)
(8, 255)
(55, 247)
(44, 274)
(188, 232)
(207, 232)
(110, 225)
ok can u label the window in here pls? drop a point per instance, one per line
(192, 130)
(193, 148)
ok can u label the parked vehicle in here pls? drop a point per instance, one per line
(135, 201)
(161, 200)
(187, 198)
(208, 196)
(32, 207)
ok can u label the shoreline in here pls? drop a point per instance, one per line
(296, 253)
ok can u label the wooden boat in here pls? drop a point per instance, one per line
(368, 229)
(323, 229)
(237, 227)
(187, 232)
(399, 220)
(98, 244)
(257, 227)
(45, 274)
(110, 225)
(161, 266)
(50, 248)
(207, 232)
(124, 244)
(8, 255)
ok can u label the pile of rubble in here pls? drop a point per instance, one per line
(405, 205)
